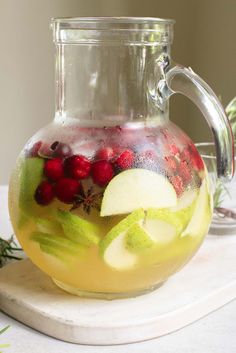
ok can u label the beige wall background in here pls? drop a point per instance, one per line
(205, 33)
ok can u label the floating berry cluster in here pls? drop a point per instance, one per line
(182, 165)
(64, 172)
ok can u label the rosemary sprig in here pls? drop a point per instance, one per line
(7, 250)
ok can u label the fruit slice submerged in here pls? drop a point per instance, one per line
(185, 200)
(185, 206)
(137, 188)
(201, 217)
(113, 246)
(137, 238)
(162, 226)
(78, 229)
(31, 176)
(55, 244)
(47, 226)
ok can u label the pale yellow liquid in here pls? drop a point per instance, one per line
(89, 272)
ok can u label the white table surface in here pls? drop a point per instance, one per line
(216, 333)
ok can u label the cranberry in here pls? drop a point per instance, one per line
(149, 154)
(177, 183)
(66, 189)
(171, 164)
(45, 151)
(186, 155)
(105, 153)
(53, 169)
(77, 167)
(33, 152)
(196, 159)
(185, 172)
(61, 150)
(125, 160)
(102, 172)
(44, 193)
(173, 149)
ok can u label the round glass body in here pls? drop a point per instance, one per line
(111, 198)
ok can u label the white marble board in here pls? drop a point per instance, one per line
(204, 285)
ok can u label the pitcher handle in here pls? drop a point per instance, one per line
(179, 79)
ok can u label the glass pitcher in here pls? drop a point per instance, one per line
(111, 198)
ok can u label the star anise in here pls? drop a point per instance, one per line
(88, 199)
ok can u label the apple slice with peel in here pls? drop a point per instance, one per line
(185, 206)
(162, 226)
(113, 247)
(45, 225)
(78, 229)
(201, 218)
(185, 200)
(137, 239)
(137, 188)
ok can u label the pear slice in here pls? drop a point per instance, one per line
(78, 229)
(202, 213)
(185, 206)
(162, 226)
(185, 200)
(113, 246)
(137, 188)
(137, 239)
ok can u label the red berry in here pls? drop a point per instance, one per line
(185, 172)
(102, 172)
(125, 160)
(60, 149)
(77, 167)
(44, 193)
(105, 153)
(53, 169)
(45, 151)
(177, 183)
(66, 189)
(174, 149)
(186, 155)
(149, 154)
(33, 152)
(198, 162)
(196, 159)
(171, 164)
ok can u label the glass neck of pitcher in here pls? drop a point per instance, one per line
(105, 68)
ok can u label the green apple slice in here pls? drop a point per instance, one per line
(113, 247)
(137, 239)
(137, 188)
(78, 229)
(47, 226)
(162, 225)
(57, 245)
(30, 177)
(185, 206)
(201, 217)
(185, 200)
